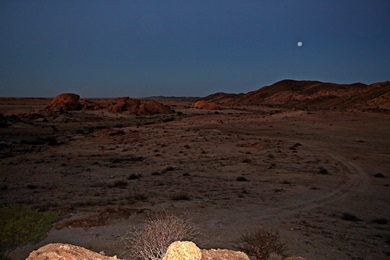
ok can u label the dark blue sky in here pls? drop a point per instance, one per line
(187, 48)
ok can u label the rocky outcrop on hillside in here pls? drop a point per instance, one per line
(202, 104)
(314, 95)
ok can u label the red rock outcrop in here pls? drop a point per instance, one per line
(153, 107)
(65, 102)
(70, 102)
(202, 104)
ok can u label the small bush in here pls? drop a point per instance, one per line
(241, 179)
(261, 244)
(134, 176)
(323, 171)
(381, 221)
(350, 217)
(160, 230)
(169, 169)
(19, 225)
(120, 184)
(140, 197)
(181, 197)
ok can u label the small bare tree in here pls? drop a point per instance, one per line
(152, 241)
(261, 244)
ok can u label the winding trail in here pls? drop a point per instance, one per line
(353, 179)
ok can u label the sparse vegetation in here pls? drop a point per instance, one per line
(160, 230)
(20, 224)
(261, 244)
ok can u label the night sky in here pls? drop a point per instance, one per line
(187, 48)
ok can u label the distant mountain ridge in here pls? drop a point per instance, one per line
(312, 95)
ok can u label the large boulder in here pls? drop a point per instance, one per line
(202, 104)
(65, 252)
(188, 250)
(65, 102)
(183, 250)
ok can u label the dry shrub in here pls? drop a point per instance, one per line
(261, 244)
(152, 241)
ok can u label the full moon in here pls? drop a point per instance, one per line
(299, 44)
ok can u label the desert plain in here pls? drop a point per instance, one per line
(233, 170)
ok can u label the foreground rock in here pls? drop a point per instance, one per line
(223, 254)
(183, 250)
(65, 252)
(179, 250)
(188, 250)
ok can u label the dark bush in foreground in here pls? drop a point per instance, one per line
(261, 244)
(152, 241)
(19, 225)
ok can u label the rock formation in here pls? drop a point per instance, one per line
(65, 252)
(183, 250)
(70, 102)
(223, 254)
(178, 250)
(202, 104)
(313, 95)
(65, 102)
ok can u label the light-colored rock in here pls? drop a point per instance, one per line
(183, 250)
(223, 254)
(65, 252)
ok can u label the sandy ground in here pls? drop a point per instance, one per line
(104, 173)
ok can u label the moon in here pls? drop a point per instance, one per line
(299, 44)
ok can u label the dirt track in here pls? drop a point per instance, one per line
(303, 171)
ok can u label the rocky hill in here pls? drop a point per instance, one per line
(313, 95)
